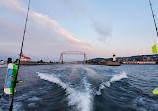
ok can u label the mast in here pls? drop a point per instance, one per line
(21, 51)
(153, 17)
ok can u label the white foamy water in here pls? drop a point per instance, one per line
(81, 99)
(118, 77)
(114, 78)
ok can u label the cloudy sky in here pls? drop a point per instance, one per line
(97, 27)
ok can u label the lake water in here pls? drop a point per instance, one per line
(83, 88)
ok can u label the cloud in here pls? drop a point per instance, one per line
(14, 4)
(45, 22)
(102, 28)
(44, 38)
(42, 20)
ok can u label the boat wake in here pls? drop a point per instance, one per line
(80, 99)
(114, 78)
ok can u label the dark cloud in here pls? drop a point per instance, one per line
(103, 30)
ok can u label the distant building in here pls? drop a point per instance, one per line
(1, 62)
(114, 58)
(24, 58)
(130, 62)
(148, 58)
(146, 62)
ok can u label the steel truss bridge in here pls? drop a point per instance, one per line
(72, 53)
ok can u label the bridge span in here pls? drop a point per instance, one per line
(72, 53)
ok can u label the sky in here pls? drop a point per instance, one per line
(99, 28)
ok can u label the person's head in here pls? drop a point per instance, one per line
(9, 60)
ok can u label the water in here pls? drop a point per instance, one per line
(84, 88)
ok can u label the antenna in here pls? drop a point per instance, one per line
(21, 51)
(153, 17)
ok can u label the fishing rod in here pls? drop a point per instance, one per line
(153, 17)
(21, 52)
(155, 91)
